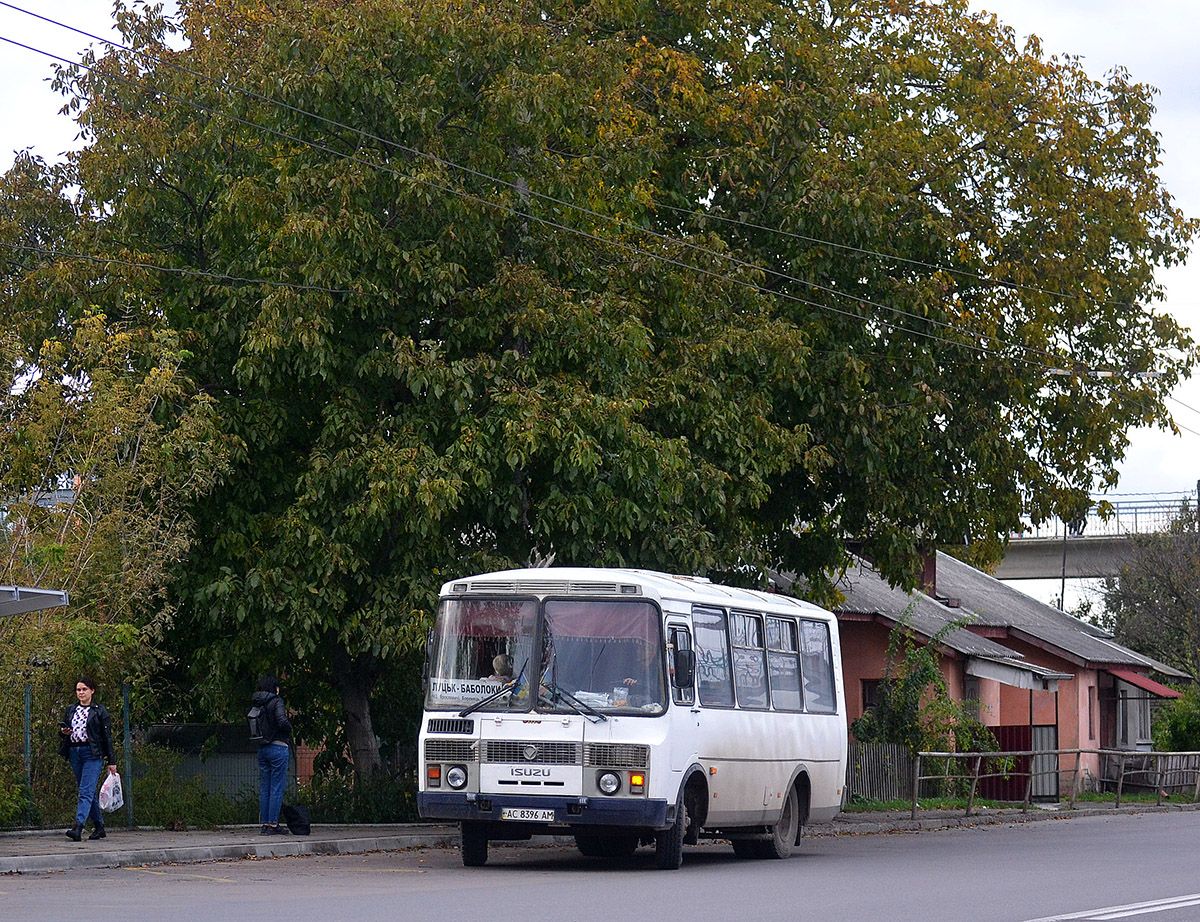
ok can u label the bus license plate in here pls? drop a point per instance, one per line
(525, 813)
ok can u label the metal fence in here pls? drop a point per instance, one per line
(879, 771)
(169, 773)
(1162, 773)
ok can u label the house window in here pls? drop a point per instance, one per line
(1091, 712)
(870, 693)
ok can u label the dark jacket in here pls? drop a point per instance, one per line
(279, 728)
(99, 733)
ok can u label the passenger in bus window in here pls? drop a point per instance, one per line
(502, 668)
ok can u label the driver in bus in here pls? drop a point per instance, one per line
(642, 683)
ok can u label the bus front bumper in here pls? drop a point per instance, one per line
(568, 811)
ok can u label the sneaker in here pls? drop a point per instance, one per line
(267, 830)
(280, 830)
(98, 833)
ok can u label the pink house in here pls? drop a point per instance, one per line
(1044, 679)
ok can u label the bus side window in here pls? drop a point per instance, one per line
(783, 664)
(713, 678)
(680, 639)
(749, 667)
(817, 656)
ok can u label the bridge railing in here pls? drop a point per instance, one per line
(1121, 518)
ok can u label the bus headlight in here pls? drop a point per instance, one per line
(456, 777)
(608, 783)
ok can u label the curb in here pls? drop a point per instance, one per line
(850, 827)
(198, 854)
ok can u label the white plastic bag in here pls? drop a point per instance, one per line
(111, 796)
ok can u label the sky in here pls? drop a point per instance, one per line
(1153, 39)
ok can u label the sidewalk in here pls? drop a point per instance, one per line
(50, 850)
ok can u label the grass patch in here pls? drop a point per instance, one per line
(865, 805)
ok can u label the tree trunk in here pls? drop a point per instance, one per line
(354, 678)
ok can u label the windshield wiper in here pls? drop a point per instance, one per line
(498, 693)
(580, 707)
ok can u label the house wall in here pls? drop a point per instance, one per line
(864, 653)
(864, 656)
(1079, 717)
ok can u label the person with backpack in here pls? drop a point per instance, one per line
(269, 724)
(85, 740)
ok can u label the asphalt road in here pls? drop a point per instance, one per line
(1089, 868)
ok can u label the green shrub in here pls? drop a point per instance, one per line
(1177, 724)
(338, 797)
(161, 798)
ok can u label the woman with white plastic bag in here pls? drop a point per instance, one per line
(85, 740)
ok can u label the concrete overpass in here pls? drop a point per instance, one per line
(1093, 547)
(1054, 557)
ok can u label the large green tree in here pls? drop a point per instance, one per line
(1153, 604)
(707, 286)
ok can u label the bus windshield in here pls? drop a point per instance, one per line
(607, 655)
(593, 656)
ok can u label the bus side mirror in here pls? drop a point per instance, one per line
(685, 668)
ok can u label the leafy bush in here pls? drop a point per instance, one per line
(339, 797)
(161, 798)
(915, 707)
(1177, 724)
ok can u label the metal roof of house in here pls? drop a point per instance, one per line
(16, 600)
(867, 593)
(999, 605)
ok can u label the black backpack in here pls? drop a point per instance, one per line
(259, 718)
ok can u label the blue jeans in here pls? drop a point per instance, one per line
(272, 774)
(87, 774)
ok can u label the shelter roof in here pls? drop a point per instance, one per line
(16, 600)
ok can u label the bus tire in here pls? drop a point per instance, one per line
(474, 845)
(781, 840)
(786, 832)
(668, 844)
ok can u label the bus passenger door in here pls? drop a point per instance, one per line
(685, 717)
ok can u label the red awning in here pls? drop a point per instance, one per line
(1136, 678)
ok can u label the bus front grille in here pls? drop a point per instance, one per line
(539, 752)
(617, 755)
(450, 751)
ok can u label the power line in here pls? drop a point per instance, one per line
(1041, 354)
(178, 270)
(999, 283)
(352, 158)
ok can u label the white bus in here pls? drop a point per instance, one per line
(628, 707)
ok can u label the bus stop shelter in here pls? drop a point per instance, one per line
(17, 600)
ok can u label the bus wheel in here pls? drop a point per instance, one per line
(784, 833)
(668, 845)
(781, 840)
(474, 844)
